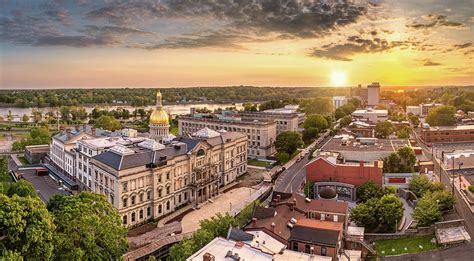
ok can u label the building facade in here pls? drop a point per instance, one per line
(260, 133)
(284, 121)
(338, 101)
(149, 180)
(370, 115)
(462, 133)
(373, 94)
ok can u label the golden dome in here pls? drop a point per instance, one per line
(159, 116)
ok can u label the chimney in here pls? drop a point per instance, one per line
(254, 222)
(208, 257)
(376, 164)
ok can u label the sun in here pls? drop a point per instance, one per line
(338, 78)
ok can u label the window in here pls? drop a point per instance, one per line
(133, 217)
(124, 202)
(323, 251)
(132, 200)
(159, 209)
(295, 246)
(167, 176)
(168, 189)
(201, 153)
(159, 193)
(141, 197)
(141, 214)
(124, 218)
(148, 211)
(148, 195)
(125, 186)
(168, 205)
(307, 249)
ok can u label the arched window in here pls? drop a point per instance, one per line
(133, 216)
(201, 153)
(160, 209)
(167, 205)
(124, 202)
(124, 219)
(132, 198)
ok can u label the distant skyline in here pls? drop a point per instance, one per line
(187, 43)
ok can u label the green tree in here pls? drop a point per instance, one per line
(383, 129)
(310, 134)
(415, 120)
(107, 123)
(444, 198)
(22, 188)
(218, 225)
(288, 142)
(88, 228)
(403, 132)
(402, 161)
(250, 107)
(419, 184)
(316, 121)
(346, 120)
(368, 191)
(25, 118)
(366, 214)
(27, 227)
(390, 210)
(426, 211)
(283, 157)
(182, 250)
(441, 116)
(309, 189)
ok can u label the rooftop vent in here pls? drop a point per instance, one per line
(121, 150)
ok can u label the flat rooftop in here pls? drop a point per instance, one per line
(354, 151)
(220, 247)
(299, 256)
(459, 127)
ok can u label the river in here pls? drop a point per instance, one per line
(177, 109)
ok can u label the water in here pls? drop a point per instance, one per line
(178, 109)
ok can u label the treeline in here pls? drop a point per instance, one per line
(146, 96)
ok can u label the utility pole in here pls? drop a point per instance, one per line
(452, 178)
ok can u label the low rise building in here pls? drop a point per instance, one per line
(327, 169)
(370, 115)
(415, 110)
(35, 154)
(289, 109)
(284, 121)
(425, 108)
(445, 134)
(261, 134)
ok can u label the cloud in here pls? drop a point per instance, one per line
(74, 41)
(435, 21)
(428, 62)
(462, 46)
(210, 39)
(356, 45)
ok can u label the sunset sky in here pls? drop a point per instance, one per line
(54, 44)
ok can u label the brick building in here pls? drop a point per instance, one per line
(447, 134)
(323, 169)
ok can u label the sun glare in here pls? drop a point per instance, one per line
(338, 78)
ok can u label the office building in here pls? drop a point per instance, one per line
(370, 115)
(373, 94)
(443, 134)
(261, 133)
(284, 121)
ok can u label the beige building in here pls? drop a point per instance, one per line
(260, 133)
(148, 180)
(284, 121)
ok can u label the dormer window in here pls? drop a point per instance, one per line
(201, 153)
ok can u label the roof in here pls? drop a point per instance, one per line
(262, 212)
(206, 133)
(320, 235)
(299, 256)
(266, 242)
(220, 248)
(38, 148)
(443, 128)
(239, 235)
(327, 206)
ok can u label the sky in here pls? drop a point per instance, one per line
(184, 43)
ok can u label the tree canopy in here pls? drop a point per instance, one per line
(382, 213)
(402, 161)
(107, 123)
(88, 228)
(316, 121)
(383, 129)
(441, 116)
(288, 142)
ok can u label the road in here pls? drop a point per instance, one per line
(291, 179)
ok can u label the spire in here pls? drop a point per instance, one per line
(159, 103)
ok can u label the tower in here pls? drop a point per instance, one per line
(159, 121)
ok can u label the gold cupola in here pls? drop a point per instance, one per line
(159, 115)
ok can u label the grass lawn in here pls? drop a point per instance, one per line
(23, 160)
(19, 136)
(258, 163)
(407, 245)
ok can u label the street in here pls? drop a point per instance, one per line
(292, 178)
